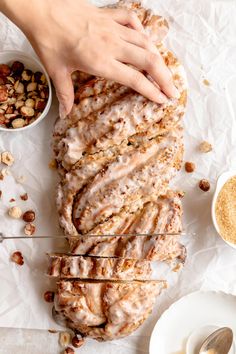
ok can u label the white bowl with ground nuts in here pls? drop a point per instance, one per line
(25, 91)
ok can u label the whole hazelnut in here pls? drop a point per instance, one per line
(4, 70)
(17, 258)
(17, 68)
(49, 296)
(190, 167)
(77, 342)
(204, 185)
(29, 216)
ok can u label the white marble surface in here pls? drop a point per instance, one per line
(203, 36)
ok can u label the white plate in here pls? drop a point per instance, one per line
(191, 312)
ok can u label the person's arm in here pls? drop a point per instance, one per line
(71, 35)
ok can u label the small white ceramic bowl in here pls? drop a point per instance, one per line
(223, 178)
(32, 63)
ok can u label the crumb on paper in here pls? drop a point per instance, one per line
(15, 212)
(49, 296)
(29, 229)
(53, 331)
(205, 147)
(4, 172)
(17, 258)
(77, 342)
(52, 164)
(190, 167)
(12, 200)
(20, 179)
(206, 82)
(0, 194)
(204, 185)
(64, 339)
(177, 267)
(24, 197)
(7, 158)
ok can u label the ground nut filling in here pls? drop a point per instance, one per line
(226, 211)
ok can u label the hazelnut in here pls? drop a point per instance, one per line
(10, 116)
(40, 104)
(205, 147)
(29, 216)
(15, 212)
(18, 123)
(12, 200)
(32, 86)
(17, 258)
(190, 167)
(19, 87)
(44, 92)
(7, 158)
(19, 104)
(49, 296)
(3, 93)
(39, 77)
(11, 80)
(64, 339)
(26, 75)
(9, 110)
(29, 229)
(27, 111)
(30, 103)
(17, 68)
(4, 70)
(77, 342)
(24, 197)
(3, 80)
(69, 351)
(204, 185)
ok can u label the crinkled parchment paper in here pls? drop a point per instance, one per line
(203, 35)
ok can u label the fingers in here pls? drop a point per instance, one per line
(127, 18)
(64, 90)
(153, 64)
(136, 37)
(130, 77)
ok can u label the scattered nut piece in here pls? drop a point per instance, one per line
(77, 342)
(29, 229)
(3, 173)
(205, 147)
(204, 185)
(15, 212)
(24, 197)
(29, 216)
(7, 158)
(12, 200)
(20, 179)
(18, 123)
(64, 339)
(52, 331)
(17, 258)
(69, 350)
(190, 167)
(49, 296)
(0, 194)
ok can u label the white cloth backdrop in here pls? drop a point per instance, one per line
(203, 35)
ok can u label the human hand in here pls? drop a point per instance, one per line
(73, 35)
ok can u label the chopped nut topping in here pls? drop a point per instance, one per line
(190, 167)
(17, 258)
(15, 212)
(7, 158)
(49, 296)
(64, 339)
(29, 229)
(206, 82)
(205, 147)
(204, 185)
(29, 216)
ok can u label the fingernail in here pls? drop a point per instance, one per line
(162, 98)
(175, 93)
(62, 111)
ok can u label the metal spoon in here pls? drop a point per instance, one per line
(219, 342)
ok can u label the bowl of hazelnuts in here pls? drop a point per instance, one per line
(25, 91)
